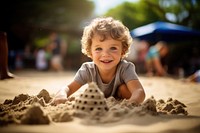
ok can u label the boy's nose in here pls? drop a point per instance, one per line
(105, 53)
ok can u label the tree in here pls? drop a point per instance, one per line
(183, 12)
(137, 14)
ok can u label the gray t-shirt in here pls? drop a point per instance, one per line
(89, 73)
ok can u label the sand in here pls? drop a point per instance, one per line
(171, 105)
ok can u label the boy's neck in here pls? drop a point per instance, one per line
(107, 76)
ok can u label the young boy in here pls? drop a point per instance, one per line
(106, 41)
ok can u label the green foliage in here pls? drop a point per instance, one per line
(41, 42)
(136, 14)
(185, 12)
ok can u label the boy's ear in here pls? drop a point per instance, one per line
(90, 55)
(123, 52)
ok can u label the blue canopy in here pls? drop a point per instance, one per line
(163, 31)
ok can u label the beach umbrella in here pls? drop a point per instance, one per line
(164, 31)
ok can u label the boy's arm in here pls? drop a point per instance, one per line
(137, 91)
(64, 92)
(73, 87)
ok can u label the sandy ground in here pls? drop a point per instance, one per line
(32, 82)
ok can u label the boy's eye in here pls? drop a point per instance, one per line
(98, 49)
(113, 48)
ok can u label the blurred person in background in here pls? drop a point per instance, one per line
(41, 60)
(153, 57)
(138, 53)
(58, 47)
(143, 48)
(4, 72)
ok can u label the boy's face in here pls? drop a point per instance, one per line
(106, 54)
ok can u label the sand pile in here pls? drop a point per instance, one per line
(91, 106)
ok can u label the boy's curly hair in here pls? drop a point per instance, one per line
(106, 27)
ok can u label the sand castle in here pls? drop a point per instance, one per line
(92, 100)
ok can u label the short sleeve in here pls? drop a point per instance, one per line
(82, 75)
(128, 72)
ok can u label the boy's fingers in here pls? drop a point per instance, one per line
(58, 101)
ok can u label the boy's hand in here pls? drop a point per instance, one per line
(61, 96)
(133, 101)
(137, 97)
(57, 101)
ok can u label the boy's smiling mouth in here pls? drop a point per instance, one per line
(106, 61)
